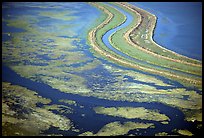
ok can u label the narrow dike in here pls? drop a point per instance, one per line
(110, 44)
(125, 44)
(117, 58)
(144, 15)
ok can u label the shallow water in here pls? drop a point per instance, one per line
(92, 121)
(89, 103)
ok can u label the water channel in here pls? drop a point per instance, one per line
(129, 19)
(92, 121)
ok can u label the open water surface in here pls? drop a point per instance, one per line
(179, 26)
(92, 121)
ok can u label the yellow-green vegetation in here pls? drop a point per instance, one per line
(21, 116)
(183, 78)
(110, 20)
(135, 75)
(119, 42)
(132, 91)
(58, 15)
(117, 129)
(44, 56)
(55, 77)
(143, 33)
(132, 112)
(117, 19)
(165, 122)
(161, 134)
(194, 102)
(188, 106)
(185, 132)
(59, 108)
(40, 54)
(70, 102)
(194, 115)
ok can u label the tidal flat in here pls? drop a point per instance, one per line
(47, 49)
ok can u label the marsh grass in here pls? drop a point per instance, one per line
(118, 129)
(21, 116)
(132, 113)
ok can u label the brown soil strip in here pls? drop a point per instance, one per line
(132, 42)
(96, 47)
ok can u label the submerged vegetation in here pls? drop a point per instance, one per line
(49, 48)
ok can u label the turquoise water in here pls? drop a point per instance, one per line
(179, 26)
(91, 121)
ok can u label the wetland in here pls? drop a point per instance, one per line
(66, 72)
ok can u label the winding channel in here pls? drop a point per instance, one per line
(121, 58)
(97, 121)
(129, 19)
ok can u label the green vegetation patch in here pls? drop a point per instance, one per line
(59, 108)
(119, 42)
(61, 15)
(117, 129)
(135, 75)
(21, 116)
(189, 101)
(45, 55)
(161, 134)
(118, 18)
(177, 76)
(131, 113)
(185, 132)
(69, 102)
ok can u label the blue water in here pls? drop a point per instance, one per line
(8, 29)
(89, 103)
(99, 71)
(179, 26)
(123, 25)
(91, 121)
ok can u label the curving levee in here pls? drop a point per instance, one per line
(129, 41)
(148, 22)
